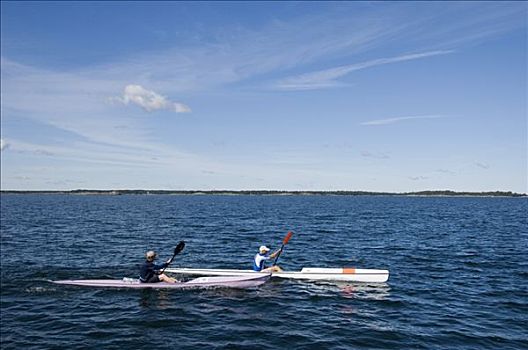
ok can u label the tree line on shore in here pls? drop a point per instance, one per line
(270, 192)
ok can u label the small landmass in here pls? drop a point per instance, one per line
(439, 193)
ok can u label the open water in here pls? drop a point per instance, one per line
(459, 272)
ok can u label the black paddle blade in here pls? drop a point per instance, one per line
(179, 247)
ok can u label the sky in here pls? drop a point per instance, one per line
(371, 96)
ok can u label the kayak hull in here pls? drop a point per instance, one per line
(202, 282)
(315, 274)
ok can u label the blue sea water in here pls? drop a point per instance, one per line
(458, 272)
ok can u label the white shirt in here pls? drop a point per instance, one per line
(258, 264)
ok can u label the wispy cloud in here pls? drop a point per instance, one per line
(418, 178)
(482, 165)
(375, 155)
(328, 77)
(399, 119)
(145, 155)
(71, 103)
(150, 100)
(445, 171)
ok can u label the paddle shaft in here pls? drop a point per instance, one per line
(284, 242)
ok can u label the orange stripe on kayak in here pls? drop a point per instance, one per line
(349, 270)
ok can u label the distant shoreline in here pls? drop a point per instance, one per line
(440, 193)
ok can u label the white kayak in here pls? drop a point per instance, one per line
(347, 274)
(201, 282)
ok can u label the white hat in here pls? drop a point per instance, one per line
(151, 255)
(264, 249)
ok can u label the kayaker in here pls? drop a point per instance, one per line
(261, 257)
(150, 272)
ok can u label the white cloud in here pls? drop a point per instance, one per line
(3, 144)
(482, 165)
(399, 119)
(150, 100)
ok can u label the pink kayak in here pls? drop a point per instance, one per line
(201, 282)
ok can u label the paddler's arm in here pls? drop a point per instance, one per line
(274, 254)
(161, 266)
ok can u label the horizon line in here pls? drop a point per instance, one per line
(219, 191)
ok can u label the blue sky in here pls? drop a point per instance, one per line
(376, 96)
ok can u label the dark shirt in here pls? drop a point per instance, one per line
(149, 269)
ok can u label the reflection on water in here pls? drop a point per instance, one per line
(380, 291)
(363, 291)
(155, 298)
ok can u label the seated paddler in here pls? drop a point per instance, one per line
(260, 259)
(153, 273)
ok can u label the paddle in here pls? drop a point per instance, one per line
(177, 251)
(284, 241)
